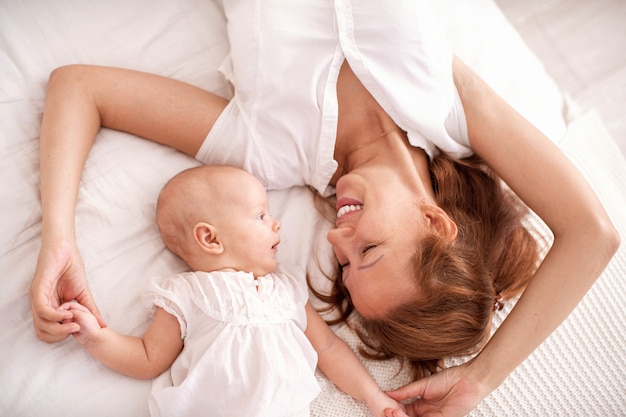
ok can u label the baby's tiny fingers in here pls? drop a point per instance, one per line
(75, 305)
(390, 412)
(65, 306)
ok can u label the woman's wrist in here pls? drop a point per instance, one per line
(55, 231)
(485, 373)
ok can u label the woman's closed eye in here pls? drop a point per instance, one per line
(365, 250)
(368, 248)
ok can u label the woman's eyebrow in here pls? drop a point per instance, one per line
(371, 264)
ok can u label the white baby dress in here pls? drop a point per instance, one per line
(245, 352)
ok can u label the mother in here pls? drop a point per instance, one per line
(365, 98)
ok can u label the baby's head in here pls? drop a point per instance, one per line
(216, 217)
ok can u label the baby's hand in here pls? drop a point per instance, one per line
(381, 405)
(86, 323)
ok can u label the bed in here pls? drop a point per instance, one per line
(579, 370)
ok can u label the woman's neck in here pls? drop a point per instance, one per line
(388, 144)
(366, 134)
(392, 152)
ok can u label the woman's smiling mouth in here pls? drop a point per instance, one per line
(347, 206)
(349, 209)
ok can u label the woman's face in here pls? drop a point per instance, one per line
(378, 225)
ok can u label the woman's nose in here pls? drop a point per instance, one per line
(337, 236)
(339, 240)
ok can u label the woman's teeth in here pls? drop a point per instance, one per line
(347, 209)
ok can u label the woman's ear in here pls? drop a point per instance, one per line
(205, 235)
(440, 222)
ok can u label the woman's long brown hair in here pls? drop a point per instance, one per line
(459, 280)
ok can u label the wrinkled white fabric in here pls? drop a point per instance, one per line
(120, 243)
(245, 352)
(285, 58)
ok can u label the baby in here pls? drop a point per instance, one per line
(238, 338)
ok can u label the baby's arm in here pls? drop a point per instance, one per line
(137, 357)
(340, 364)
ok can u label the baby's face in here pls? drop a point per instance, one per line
(249, 233)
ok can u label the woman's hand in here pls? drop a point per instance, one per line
(59, 277)
(450, 393)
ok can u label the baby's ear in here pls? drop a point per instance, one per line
(206, 236)
(439, 220)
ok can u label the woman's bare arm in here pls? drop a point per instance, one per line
(79, 101)
(542, 176)
(584, 242)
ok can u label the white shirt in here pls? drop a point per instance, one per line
(285, 58)
(245, 352)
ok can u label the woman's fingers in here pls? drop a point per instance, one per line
(415, 389)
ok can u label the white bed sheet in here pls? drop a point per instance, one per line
(580, 370)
